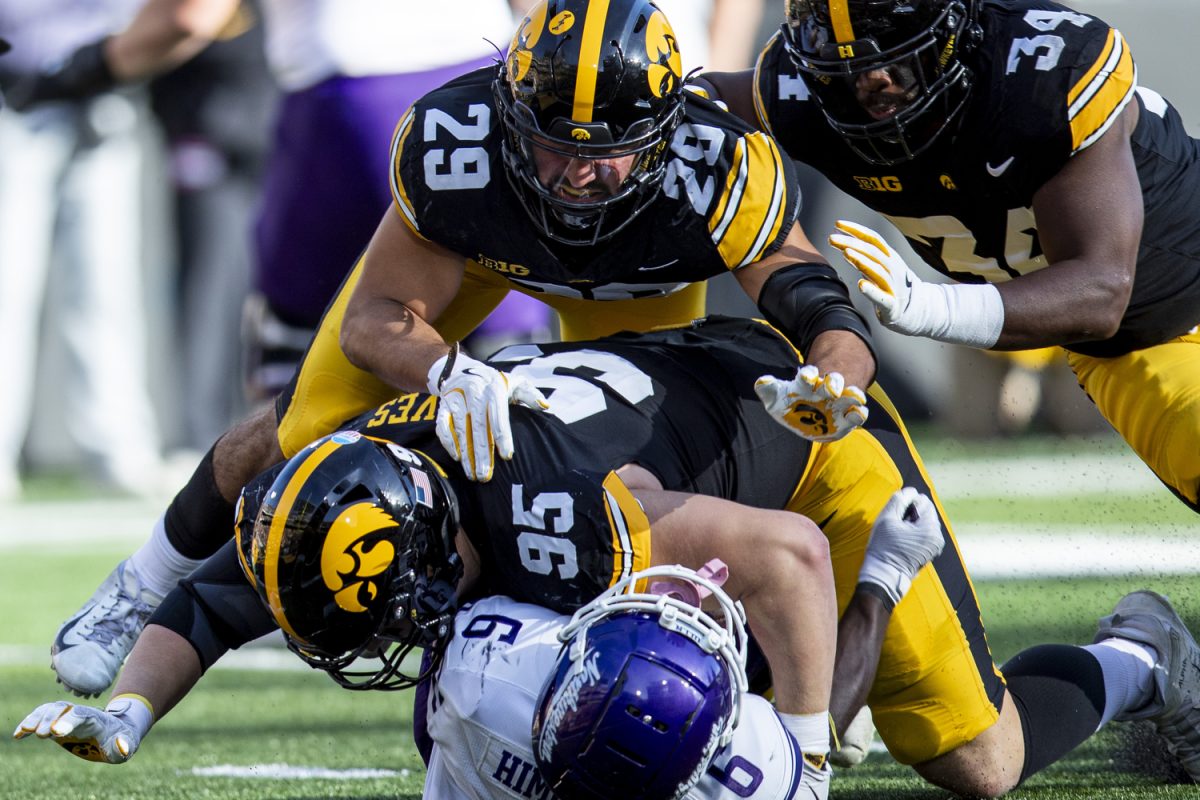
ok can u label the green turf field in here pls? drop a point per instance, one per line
(257, 720)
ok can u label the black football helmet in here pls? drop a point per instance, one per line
(592, 82)
(918, 42)
(352, 551)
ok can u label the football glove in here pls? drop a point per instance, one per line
(473, 415)
(83, 74)
(110, 736)
(906, 536)
(821, 408)
(965, 314)
(855, 742)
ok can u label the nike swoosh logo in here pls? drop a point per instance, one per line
(660, 266)
(998, 170)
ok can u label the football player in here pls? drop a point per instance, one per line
(1008, 141)
(576, 171)
(689, 477)
(355, 533)
(1012, 146)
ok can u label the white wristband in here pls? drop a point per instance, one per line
(891, 579)
(973, 314)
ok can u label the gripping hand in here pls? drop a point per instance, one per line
(111, 735)
(906, 536)
(473, 415)
(821, 408)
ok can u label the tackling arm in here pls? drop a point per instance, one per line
(406, 283)
(804, 299)
(1092, 225)
(212, 611)
(905, 537)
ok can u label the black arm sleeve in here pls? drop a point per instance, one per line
(804, 300)
(215, 608)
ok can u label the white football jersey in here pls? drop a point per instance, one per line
(481, 714)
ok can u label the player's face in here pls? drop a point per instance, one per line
(581, 180)
(883, 92)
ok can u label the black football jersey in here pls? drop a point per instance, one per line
(728, 198)
(552, 526)
(1048, 81)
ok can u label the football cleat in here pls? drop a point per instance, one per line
(1148, 618)
(92, 645)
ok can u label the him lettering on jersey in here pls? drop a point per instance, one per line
(520, 777)
(871, 183)
(503, 267)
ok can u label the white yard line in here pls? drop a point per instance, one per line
(291, 772)
(1044, 476)
(992, 550)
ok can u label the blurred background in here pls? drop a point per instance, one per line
(205, 133)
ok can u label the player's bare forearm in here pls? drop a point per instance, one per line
(162, 668)
(1090, 219)
(389, 340)
(844, 352)
(400, 287)
(860, 638)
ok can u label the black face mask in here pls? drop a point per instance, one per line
(925, 65)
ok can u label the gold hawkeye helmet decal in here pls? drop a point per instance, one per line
(347, 561)
(580, 135)
(526, 37)
(666, 73)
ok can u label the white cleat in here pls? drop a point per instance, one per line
(1147, 618)
(92, 644)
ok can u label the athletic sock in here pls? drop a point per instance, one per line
(811, 731)
(1059, 691)
(158, 565)
(199, 520)
(1128, 669)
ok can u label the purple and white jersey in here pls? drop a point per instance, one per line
(480, 713)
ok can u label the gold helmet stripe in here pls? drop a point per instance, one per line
(589, 61)
(839, 17)
(279, 524)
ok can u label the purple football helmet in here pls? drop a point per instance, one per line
(646, 689)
